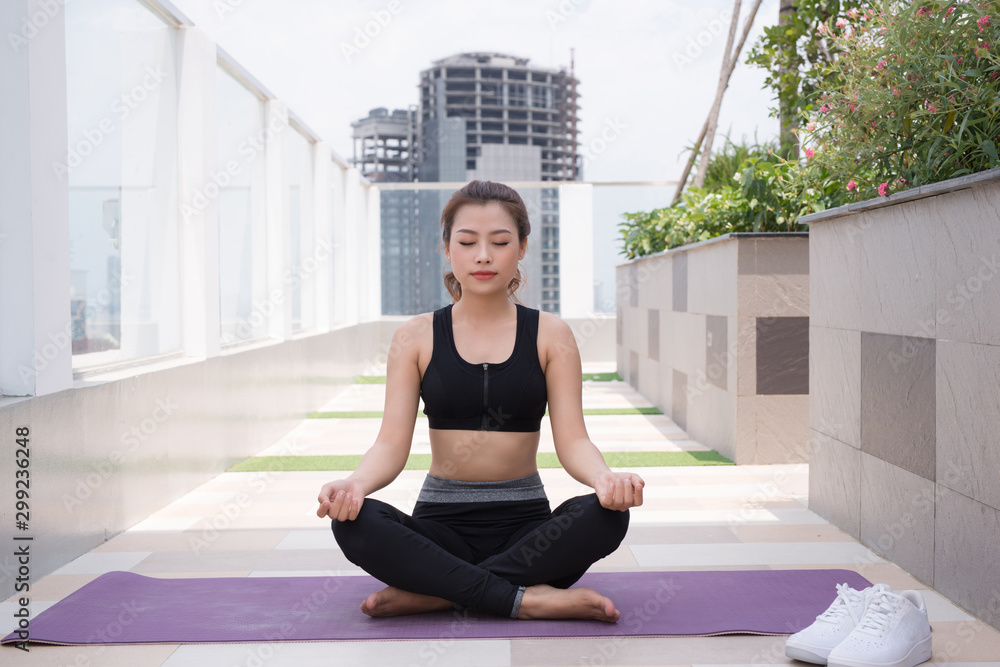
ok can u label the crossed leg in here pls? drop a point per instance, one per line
(428, 566)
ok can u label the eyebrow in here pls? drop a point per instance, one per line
(495, 231)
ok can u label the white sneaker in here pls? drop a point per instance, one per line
(893, 632)
(813, 644)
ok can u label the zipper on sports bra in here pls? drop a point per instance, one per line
(486, 386)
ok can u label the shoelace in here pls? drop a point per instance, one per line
(844, 604)
(879, 613)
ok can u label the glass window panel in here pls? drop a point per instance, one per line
(302, 237)
(121, 171)
(243, 301)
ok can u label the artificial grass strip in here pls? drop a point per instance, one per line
(621, 411)
(358, 414)
(423, 461)
(602, 377)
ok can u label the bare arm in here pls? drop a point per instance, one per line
(342, 499)
(577, 453)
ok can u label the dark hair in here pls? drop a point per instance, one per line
(482, 193)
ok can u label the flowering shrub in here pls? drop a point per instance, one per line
(917, 98)
(765, 195)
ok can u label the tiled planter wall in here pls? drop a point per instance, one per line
(905, 382)
(716, 335)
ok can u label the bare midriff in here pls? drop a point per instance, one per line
(483, 456)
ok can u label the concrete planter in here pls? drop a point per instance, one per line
(716, 334)
(905, 381)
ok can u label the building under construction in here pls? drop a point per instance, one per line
(487, 116)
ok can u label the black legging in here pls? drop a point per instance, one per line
(477, 555)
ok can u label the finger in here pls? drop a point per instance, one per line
(336, 503)
(627, 491)
(638, 492)
(606, 495)
(355, 508)
(324, 507)
(345, 508)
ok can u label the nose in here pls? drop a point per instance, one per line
(483, 256)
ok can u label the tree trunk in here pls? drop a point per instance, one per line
(728, 65)
(788, 141)
(713, 115)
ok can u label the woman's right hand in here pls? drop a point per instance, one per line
(340, 500)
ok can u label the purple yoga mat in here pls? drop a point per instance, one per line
(128, 608)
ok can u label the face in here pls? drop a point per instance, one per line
(484, 249)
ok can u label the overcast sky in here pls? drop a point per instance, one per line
(648, 69)
(648, 72)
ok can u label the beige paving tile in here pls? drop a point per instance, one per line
(727, 649)
(807, 533)
(227, 561)
(106, 656)
(638, 534)
(964, 641)
(877, 573)
(620, 559)
(58, 586)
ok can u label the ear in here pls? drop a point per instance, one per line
(524, 248)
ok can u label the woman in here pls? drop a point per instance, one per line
(482, 535)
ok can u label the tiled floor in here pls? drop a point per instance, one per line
(746, 517)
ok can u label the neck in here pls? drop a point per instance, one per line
(492, 308)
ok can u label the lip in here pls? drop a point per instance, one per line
(484, 275)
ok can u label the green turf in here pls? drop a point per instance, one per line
(370, 379)
(423, 461)
(356, 414)
(621, 411)
(602, 377)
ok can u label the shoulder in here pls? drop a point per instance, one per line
(555, 338)
(413, 333)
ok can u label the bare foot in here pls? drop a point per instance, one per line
(543, 601)
(393, 601)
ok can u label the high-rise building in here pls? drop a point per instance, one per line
(486, 116)
(384, 152)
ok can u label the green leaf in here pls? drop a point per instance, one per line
(991, 150)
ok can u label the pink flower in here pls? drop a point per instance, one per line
(842, 23)
(823, 29)
(824, 109)
(881, 64)
(852, 185)
(950, 10)
(852, 13)
(810, 126)
(810, 153)
(883, 189)
(923, 10)
(850, 105)
(983, 22)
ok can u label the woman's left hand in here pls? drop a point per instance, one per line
(619, 490)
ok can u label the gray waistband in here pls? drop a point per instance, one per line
(441, 490)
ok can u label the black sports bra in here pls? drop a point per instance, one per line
(505, 396)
